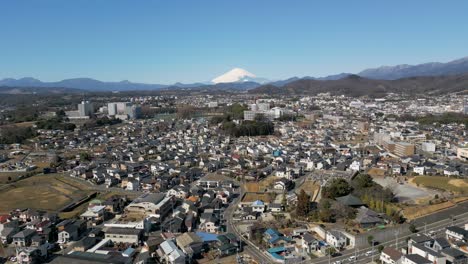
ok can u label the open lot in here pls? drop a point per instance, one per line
(260, 186)
(6, 177)
(310, 187)
(45, 192)
(459, 186)
(414, 212)
(251, 197)
(406, 192)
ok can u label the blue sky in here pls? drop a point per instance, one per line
(197, 40)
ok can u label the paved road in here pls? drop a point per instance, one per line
(248, 247)
(444, 214)
(437, 222)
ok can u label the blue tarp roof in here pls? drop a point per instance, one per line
(207, 237)
(128, 252)
(272, 232)
(276, 249)
(258, 202)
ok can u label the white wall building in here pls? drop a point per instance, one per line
(85, 108)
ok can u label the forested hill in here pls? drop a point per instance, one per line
(354, 85)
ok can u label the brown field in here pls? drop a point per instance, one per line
(252, 187)
(250, 197)
(227, 260)
(458, 183)
(376, 172)
(442, 183)
(22, 124)
(411, 213)
(310, 187)
(13, 175)
(261, 185)
(49, 192)
(459, 199)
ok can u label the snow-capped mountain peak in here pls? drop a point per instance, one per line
(235, 75)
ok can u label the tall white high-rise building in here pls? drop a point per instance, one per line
(85, 108)
(428, 147)
(465, 107)
(123, 110)
(263, 106)
(112, 109)
(118, 108)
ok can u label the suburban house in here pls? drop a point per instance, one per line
(258, 206)
(69, 233)
(309, 243)
(28, 255)
(415, 259)
(24, 238)
(283, 184)
(368, 218)
(123, 235)
(455, 233)
(390, 255)
(336, 239)
(350, 200)
(94, 214)
(427, 252)
(190, 243)
(275, 238)
(170, 253)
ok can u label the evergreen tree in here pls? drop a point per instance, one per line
(303, 205)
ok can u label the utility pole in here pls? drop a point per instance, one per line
(396, 239)
(373, 250)
(355, 253)
(425, 228)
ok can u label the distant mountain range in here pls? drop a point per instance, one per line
(354, 85)
(240, 79)
(82, 83)
(426, 69)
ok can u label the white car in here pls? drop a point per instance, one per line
(352, 258)
(368, 253)
(337, 262)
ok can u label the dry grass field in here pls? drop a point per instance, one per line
(414, 212)
(250, 197)
(226, 260)
(376, 172)
(5, 176)
(46, 192)
(261, 185)
(459, 186)
(310, 187)
(22, 124)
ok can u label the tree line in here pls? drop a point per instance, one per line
(375, 196)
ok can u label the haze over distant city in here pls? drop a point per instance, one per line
(196, 41)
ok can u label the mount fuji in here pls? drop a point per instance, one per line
(237, 75)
